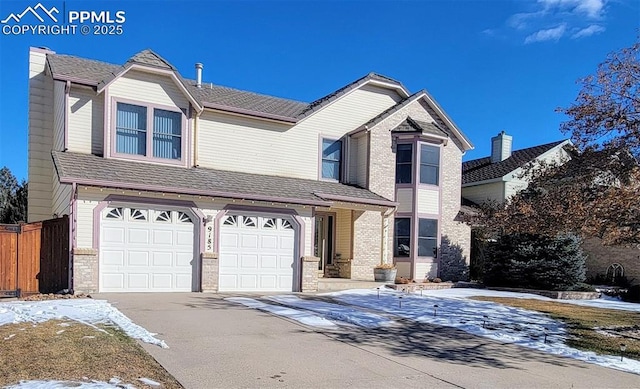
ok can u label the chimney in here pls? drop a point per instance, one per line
(199, 75)
(501, 147)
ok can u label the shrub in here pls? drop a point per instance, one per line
(533, 261)
(632, 295)
(453, 265)
(582, 287)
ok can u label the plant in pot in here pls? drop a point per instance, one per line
(385, 272)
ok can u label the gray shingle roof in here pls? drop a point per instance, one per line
(98, 73)
(89, 169)
(411, 125)
(482, 169)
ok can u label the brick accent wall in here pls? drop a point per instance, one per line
(85, 270)
(210, 272)
(344, 267)
(600, 257)
(454, 234)
(310, 274)
(367, 244)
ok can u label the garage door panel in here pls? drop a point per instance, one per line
(162, 281)
(138, 258)
(113, 235)
(249, 262)
(184, 238)
(137, 280)
(184, 259)
(269, 242)
(249, 241)
(113, 257)
(113, 281)
(147, 250)
(229, 240)
(163, 238)
(249, 282)
(268, 261)
(162, 259)
(183, 281)
(228, 282)
(256, 254)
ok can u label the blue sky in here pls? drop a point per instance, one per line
(492, 65)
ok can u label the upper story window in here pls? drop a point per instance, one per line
(331, 159)
(148, 132)
(429, 164)
(404, 155)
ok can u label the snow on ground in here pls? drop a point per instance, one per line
(604, 302)
(68, 384)
(85, 311)
(303, 317)
(335, 311)
(488, 319)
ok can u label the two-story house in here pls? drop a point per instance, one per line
(173, 184)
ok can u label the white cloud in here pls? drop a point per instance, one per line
(550, 34)
(588, 31)
(593, 9)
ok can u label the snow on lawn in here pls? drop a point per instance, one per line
(85, 311)
(603, 302)
(68, 384)
(336, 311)
(488, 319)
(306, 318)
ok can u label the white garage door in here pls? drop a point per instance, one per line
(146, 250)
(256, 254)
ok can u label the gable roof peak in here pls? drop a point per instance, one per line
(150, 57)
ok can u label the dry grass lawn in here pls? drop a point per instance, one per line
(68, 350)
(623, 327)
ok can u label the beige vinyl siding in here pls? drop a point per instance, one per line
(404, 269)
(481, 193)
(84, 222)
(149, 89)
(343, 232)
(40, 166)
(86, 121)
(58, 114)
(425, 270)
(61, 197)
(429, 201)
(230, 142)
(404, 197)
(513, 187)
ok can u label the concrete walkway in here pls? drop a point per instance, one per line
(217, 344)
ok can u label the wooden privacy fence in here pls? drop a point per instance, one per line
(34, 257)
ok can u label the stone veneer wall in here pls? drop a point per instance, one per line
(600, 257)
(85, 270)
(210, 269)
(367, 244)
(382, 174)
(310, 274)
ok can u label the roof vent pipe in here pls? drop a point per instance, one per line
(199, 75)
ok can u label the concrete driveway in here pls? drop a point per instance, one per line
(217, 344)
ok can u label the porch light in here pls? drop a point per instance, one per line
(623, 348)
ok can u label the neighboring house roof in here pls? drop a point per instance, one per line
(481, 169)
(86, 169)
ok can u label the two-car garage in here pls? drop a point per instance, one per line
(156, 249)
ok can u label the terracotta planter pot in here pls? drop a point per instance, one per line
(385, 275)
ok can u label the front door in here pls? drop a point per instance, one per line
(324, 239)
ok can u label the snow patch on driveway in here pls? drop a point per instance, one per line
(306, 318)
(85, 311)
